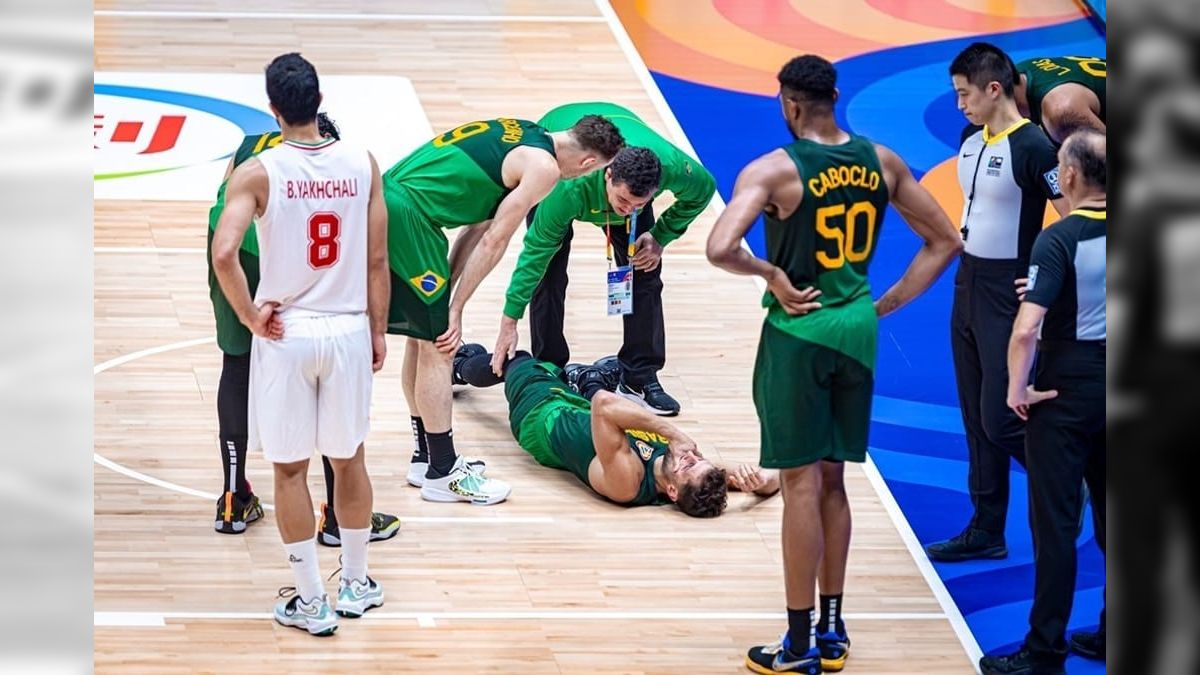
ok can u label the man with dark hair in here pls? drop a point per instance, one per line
(1063, 93)
(824, 197)
(484, 176)
(615, 447)
(238, 506)
(318, 316)
(1007, 170)
(1063, 316)
(611, 201)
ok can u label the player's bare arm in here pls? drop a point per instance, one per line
(533, 174)
(616, 473)
(748, 477)
(245, 198)
(379, 285)
(769, 183)
(1069, 106)
(941, 241)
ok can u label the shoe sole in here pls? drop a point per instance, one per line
(325, 632)
(418, 480)
(765, 671)
(833, 665)
(349, 614)
(642, 402)
(384, 535)
(996, 553)
(446, 497)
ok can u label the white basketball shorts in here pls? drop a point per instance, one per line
(311, 390)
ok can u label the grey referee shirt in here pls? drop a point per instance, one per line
(1067, 277)
(1006, 179)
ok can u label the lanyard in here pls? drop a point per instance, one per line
(608, 243)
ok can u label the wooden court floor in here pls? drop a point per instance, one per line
(553, 581)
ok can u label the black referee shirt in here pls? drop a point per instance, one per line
(1067, 277)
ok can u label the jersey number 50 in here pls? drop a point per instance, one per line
(844, 236)
(324, 228)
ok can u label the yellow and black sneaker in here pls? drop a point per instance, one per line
(233, 514)
(834, 649)
(383, 526)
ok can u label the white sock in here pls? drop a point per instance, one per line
(302, 556)
(354, 553)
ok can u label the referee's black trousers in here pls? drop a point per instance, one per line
(985, 305)
(645, 348)
(1064, 444)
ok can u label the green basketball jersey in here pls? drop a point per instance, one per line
(1046, 73)
(232, 336)
(455, 179)
(571, 441)
(828, 244)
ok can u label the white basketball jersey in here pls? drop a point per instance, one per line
(312, 239)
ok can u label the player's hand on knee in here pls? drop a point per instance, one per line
(266, 323)
(378, 351)
(794, 301)
(448, 342)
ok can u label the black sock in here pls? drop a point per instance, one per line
(801, 632)
(328, 481)
(441, 454)
(233, 393)
(831, 614)
(420, 447)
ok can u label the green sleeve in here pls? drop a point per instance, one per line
(554, 215)
(693, 188)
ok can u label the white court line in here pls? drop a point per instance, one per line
(351, 16)
(936, 586)
(430, 619)
(212, 496)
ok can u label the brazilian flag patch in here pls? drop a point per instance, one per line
(428, 283)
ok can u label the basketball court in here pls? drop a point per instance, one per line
(555, 580)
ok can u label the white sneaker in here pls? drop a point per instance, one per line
(314, 616)
(463, 485)
(356, 597)
(416, 470)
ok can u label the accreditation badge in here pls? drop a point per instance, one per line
(620, 291)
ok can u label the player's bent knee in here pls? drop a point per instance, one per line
(291, 470)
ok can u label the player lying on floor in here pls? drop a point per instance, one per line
(620, 450)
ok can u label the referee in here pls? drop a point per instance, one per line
(1065, 407)
(1007, 170)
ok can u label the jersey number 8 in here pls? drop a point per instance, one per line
(324, 228)
(844, 237)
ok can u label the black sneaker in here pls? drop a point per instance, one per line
(651, 396)
(383, 526)
(464, 352)
(1019, 662)
(233, 514)
(971, 544)
(585, 380)
(1088, 644)
(834, 648)
(610, 366)
(778, 658)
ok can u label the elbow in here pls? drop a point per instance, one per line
(1022, 335)
(718, 253)
(602, 401)
(954, 246)
(224, 258)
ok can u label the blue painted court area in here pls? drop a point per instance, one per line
(902, 98)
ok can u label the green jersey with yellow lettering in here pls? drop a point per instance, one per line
(1046, 73)
(232, 337)
(828, 244)
(455, 179)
